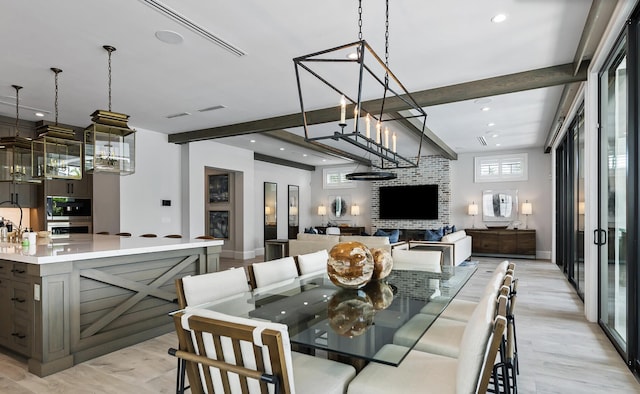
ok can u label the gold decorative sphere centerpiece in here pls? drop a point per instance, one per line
(352, 265)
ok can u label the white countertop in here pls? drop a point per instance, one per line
(93, 246)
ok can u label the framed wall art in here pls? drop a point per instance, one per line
(219, 224)
(218, 188)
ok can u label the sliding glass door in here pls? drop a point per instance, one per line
(570, 203)
(613, 163)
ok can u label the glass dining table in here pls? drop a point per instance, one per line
(352, 325)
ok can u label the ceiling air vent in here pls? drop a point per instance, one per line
(158, 6)
(211, 108)
(482, 141)
(178, 115)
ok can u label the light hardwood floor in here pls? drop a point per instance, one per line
(560, 352)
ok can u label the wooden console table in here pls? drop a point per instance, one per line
(275, 249)
(503, 242)
(344, 230)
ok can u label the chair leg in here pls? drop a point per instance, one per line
(181, 377)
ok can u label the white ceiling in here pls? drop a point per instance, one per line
(432, 44)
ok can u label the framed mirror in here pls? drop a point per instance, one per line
(338, 207)
(293, 204)
(499, 207)
(270, 210)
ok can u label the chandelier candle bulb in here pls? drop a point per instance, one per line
(394, 141)
(355, 119)
(386, 137)
(343, 111)
(378, 127)
(367, 123)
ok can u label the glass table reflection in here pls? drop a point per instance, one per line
(352, 324)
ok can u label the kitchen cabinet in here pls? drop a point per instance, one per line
(16, 298)
(503, 242)
(71, 188)
(25, 194)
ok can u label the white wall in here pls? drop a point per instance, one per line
(283, 177)
(359, 194)
(537, 190)
(157, 178)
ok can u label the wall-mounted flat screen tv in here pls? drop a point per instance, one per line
(409, 202)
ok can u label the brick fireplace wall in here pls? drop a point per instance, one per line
(431, 170)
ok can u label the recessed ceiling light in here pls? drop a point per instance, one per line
(499, 18)
(485, 109)
(281, 148)
(491, 124)
(304, 155)
(39, 114)
(252, 141)
(497, 144)
(484, 100)
(495, 136)
(324, 159)
(169, 37)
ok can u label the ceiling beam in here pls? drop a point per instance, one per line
(294, 139)
(526, 80)
(282, 162)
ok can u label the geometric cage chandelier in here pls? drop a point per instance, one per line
(374, 104)
(109, 142)
(56, 152)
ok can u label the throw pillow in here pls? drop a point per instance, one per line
(394, 236)
(447, 230)
(453, 229)
(433, 235)
(380, 233)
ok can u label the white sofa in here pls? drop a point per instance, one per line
(309, 243)
(420, 260)
(460, 241)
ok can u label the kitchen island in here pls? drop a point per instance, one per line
(67, 300)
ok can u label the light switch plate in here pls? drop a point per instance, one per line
(36, 292)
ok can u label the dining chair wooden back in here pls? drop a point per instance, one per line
(273, 271)
(488, 372)
(103, 233)
(124, 234)
(173, 236)
(149, 235)
(228, 354)
(233, 355)
(205, 237)
(199, 289)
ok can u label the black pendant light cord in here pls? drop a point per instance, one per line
(56, 71)
(17, 88)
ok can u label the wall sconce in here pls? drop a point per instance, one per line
(293, 210)
(527, 209)
(267, 212)
(322, 211)
(472, 210)
(355, 211)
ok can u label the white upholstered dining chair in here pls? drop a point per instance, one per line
(200, 289)
(311, 263)
(227, 354)
(271, 272)
(422, 372)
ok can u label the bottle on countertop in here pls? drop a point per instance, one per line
(4, 233)
(9, 225)
(25, 238)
